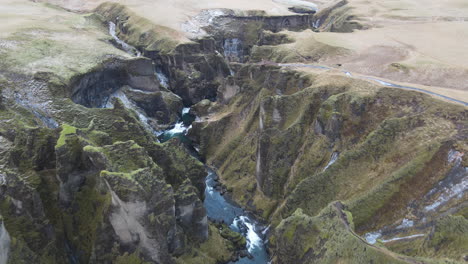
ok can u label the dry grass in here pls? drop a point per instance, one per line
(172, 13)
(450, 92)
(36, 37)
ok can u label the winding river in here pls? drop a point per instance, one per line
(219, 207)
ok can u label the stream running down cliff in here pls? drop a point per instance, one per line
(4, 243)
(219, 208)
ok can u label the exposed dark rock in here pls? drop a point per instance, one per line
(191, 213)
(94, 88)
(302, 10)
(163, 106)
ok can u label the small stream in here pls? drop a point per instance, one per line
(219, 207)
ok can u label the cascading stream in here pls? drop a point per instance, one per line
(126, 47)
(219, 207)
(130, 105)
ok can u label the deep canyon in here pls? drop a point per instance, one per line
(281, 132)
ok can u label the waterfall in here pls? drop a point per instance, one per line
(162, 78)
(130, 105)
(233, 50)
(4, 244)
(316, 23)
(452, 191)
(126, 47)
(180, 129)
(333, 158)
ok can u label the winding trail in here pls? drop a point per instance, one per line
(384, 83)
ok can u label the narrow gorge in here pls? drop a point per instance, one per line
(190, 132)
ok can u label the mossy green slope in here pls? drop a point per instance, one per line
(327, 238)
(278, 132)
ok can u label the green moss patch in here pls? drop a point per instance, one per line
(66, 130)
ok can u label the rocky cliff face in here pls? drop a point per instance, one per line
(98, 198)
(326, 238)
(342, 169)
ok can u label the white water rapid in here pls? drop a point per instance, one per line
(126, 47)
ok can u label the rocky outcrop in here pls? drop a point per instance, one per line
(141, 211)
(236, 33)
(1, 100)
(27, 159)
(164, 107)
(93, 89)
(135, 82)
(326, 238)
(190, 212)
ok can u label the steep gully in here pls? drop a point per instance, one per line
(219, 207)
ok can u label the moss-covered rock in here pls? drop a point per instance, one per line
(71, 187)
(215, 250)
(447, 239)
(239, 242)
(190, 212)
(326, 238)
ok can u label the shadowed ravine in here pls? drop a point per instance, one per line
(219, 208)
